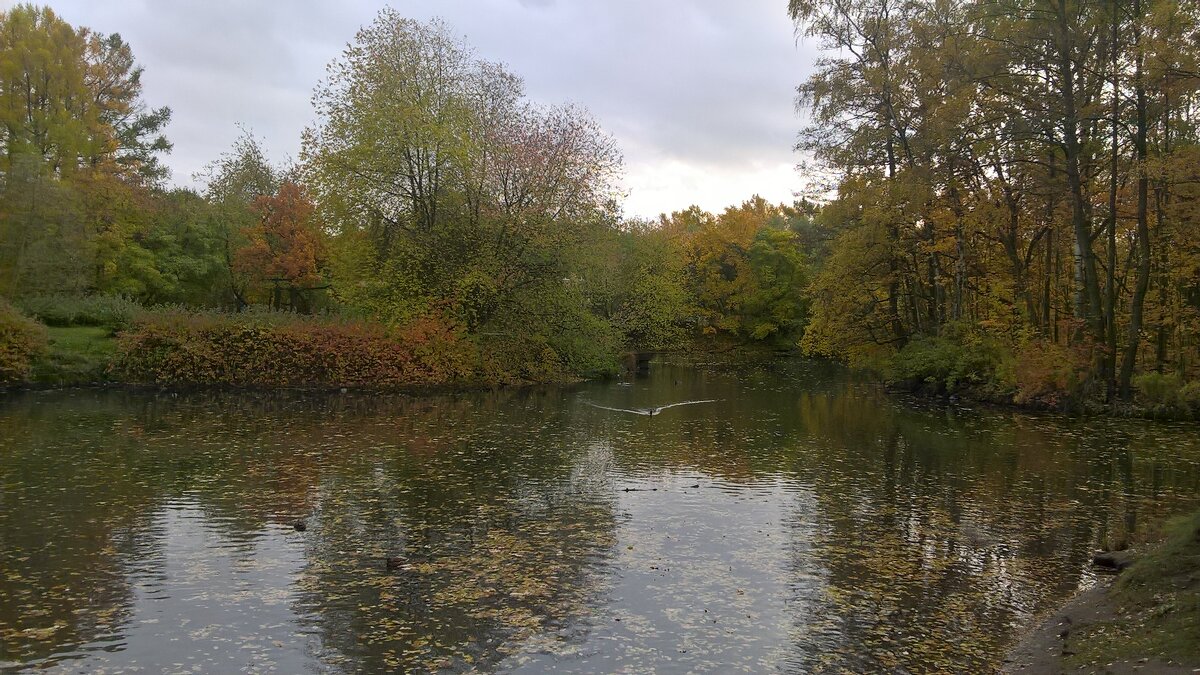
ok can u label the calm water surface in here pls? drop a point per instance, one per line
(801, 523)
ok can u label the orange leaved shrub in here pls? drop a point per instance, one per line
(1051, 375)
(290, 351)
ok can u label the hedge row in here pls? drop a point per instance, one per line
(179, 349)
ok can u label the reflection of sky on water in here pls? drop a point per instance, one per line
(802, 521)
(699, 580)
(206, 600)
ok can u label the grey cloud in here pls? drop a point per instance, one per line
(708, 83)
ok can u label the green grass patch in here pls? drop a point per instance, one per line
(1158, 604)
(77, 355)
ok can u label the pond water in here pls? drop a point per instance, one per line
(800, 522)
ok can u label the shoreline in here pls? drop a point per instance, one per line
(1121, 410)
(57, 381)
(1142, 619)
(1049, 647)
(1088, 409)
(316, 389)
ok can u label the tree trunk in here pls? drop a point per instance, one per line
(1087, 293)
(1138, 301)
(1110, 291)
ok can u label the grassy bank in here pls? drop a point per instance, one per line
(1146, 620)
(63, 341)
(1156, 606)
(75, 355)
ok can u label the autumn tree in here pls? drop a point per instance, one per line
(235, 182)
(284, 250)
(650, 302)
(446, 191)
(79, 144)
(861, 109)
(744, 271)
(1002, 166)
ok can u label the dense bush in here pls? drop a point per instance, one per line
(514, 358)
(289, 350)
(583, 343)
(949, 363)
(589, 351)
(1168, 394)
(21, 340)
(110, 311)
(1037, 373)
(1051, 375)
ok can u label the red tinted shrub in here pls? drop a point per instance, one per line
(249, 350)
(21, 340)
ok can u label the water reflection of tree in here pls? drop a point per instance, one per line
(936, 530)
(67, 505)
(952, 525)
(918, 524)
(470, 495)
(496, 539)
(491, 538)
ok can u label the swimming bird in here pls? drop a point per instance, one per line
(650, 411)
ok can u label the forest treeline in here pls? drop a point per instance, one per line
(1016, 190)
(435, 217)
(1004, 205)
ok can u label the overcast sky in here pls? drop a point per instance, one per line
(698, 93)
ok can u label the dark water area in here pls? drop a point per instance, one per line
(801, 522)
